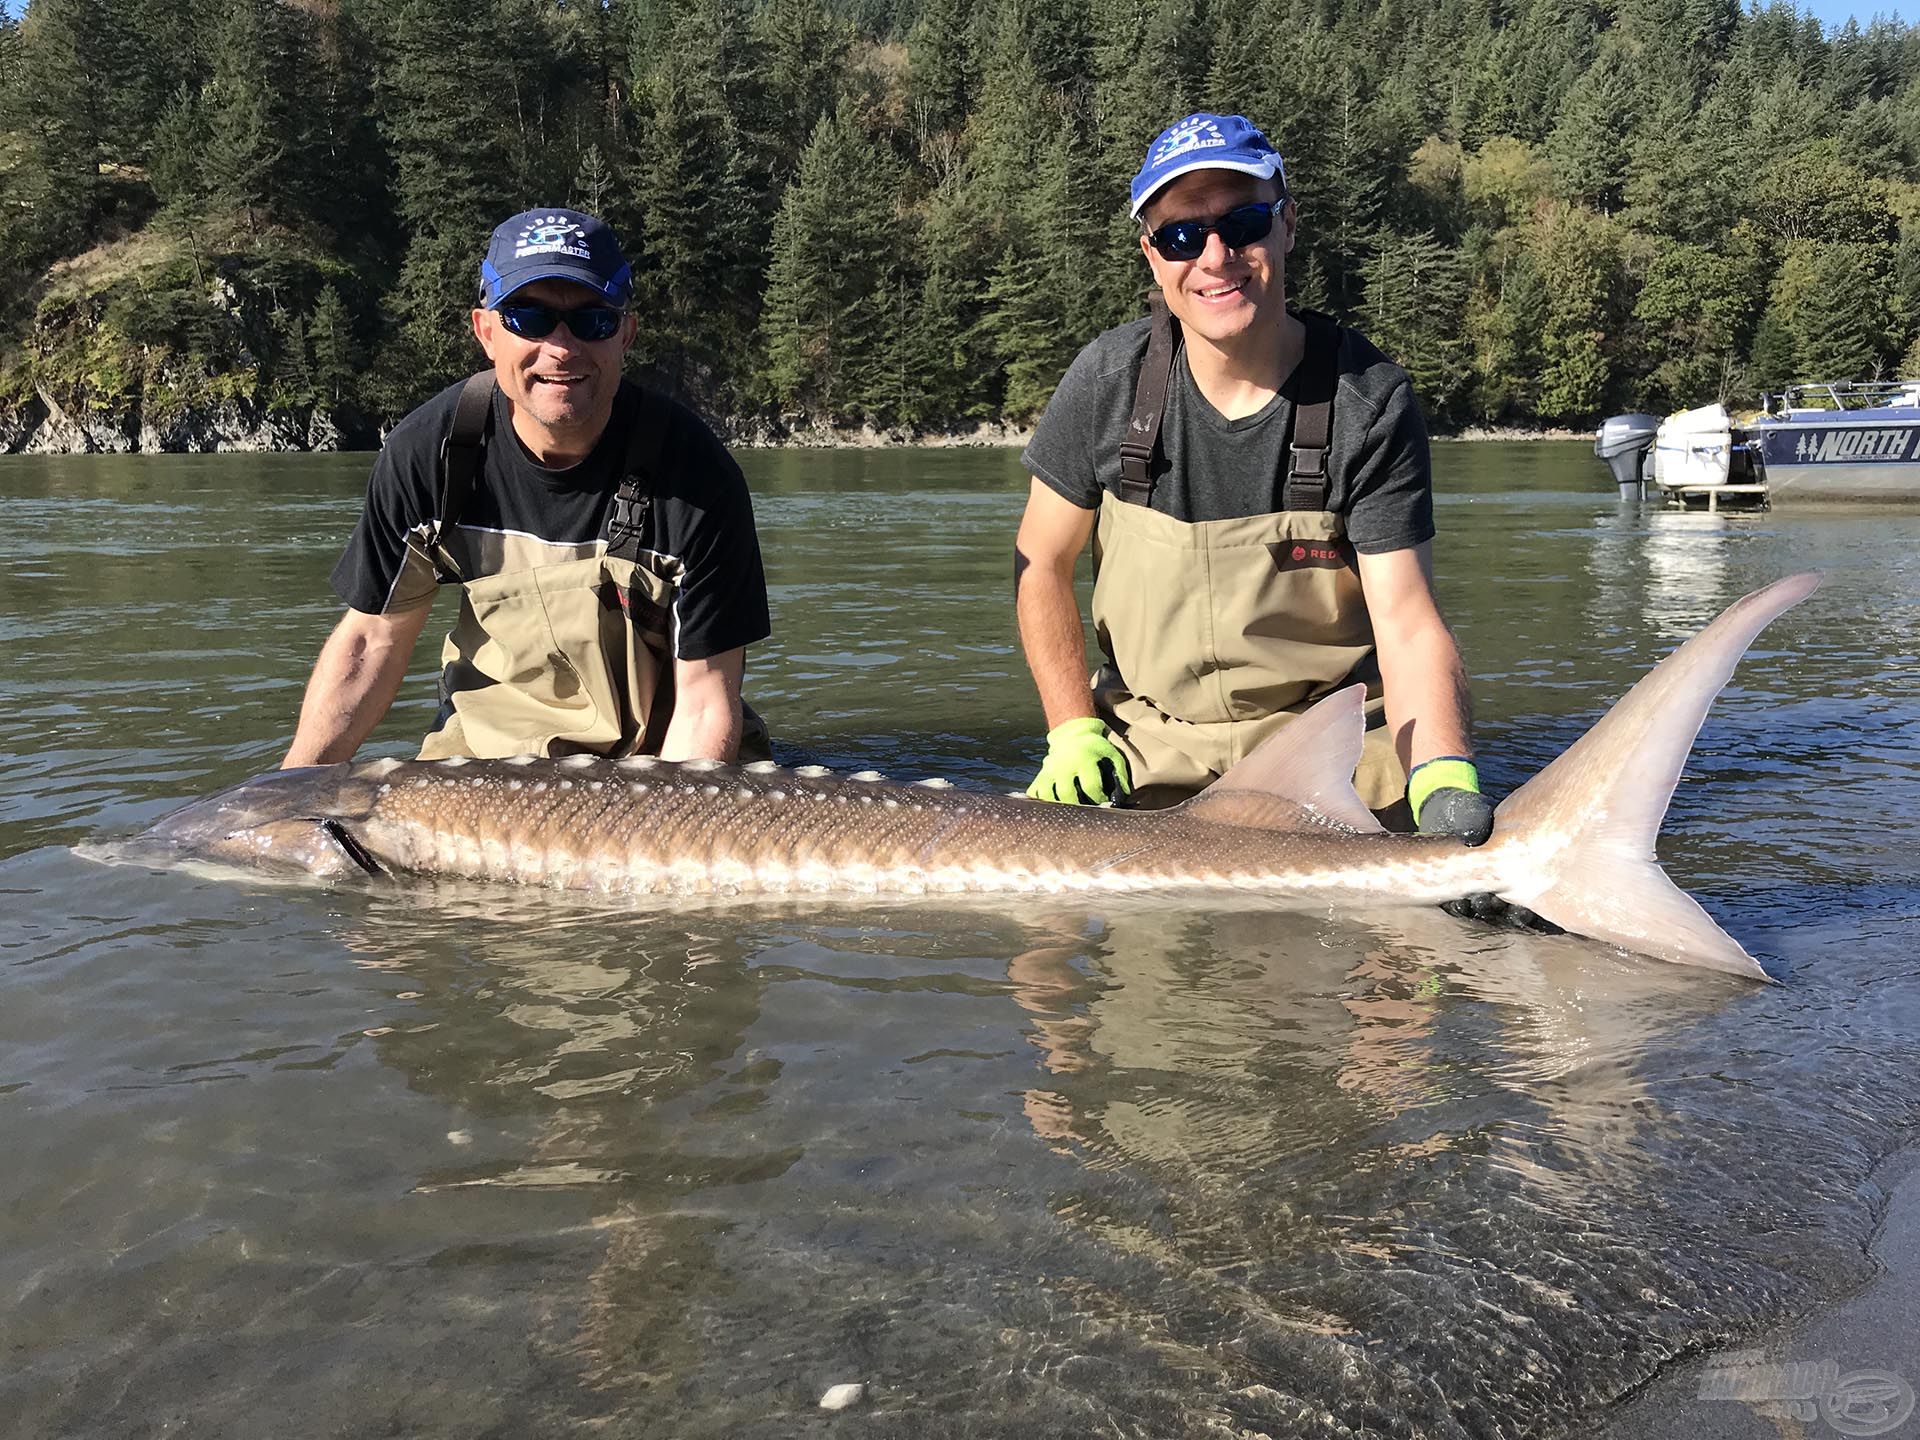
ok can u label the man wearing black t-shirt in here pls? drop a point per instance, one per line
(602, 538)
(1256, 484)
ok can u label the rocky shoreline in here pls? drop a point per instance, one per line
(42, 426)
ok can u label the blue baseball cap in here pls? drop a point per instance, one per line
(554, 245)
(1205, 142)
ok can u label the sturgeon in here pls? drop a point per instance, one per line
(1575, 843)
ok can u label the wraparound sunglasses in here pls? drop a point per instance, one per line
(587, 322)
(1240, 226)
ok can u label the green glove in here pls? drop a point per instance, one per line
(1083, 767)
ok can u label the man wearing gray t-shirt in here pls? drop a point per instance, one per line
(1256, 485)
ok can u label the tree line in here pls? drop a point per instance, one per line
(912, 212)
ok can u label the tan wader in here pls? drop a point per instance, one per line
(557, 657)
(1216, 633)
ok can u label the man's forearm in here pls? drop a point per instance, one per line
(706, 722)
(354, 680)
(707, 729)
(1429, 707)
(1055, 642)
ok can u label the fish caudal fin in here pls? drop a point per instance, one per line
(1591, 817)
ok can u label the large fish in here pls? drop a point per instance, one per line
(1575, 843)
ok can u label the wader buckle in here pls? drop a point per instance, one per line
(628, 522)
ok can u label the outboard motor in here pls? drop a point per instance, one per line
(1625, 442)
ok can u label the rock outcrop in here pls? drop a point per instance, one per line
(43, 426)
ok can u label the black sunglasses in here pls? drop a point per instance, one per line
(1240, 226)
(536, 322)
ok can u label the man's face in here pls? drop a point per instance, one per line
(560, 384)
(1224, 294)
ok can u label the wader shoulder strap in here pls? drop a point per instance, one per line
(1307, 485)
(634, 498)
(1149, 406)
(461, 454)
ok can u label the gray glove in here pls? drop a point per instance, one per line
(1464, 814)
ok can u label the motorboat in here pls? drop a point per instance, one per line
(1846, 441)
(1839, 441)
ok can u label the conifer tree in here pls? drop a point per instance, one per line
(700, 236)
(337, 358)
(1588, 147)
(1040, 305)
(1505, 315)
(804, 55)
(942, 69)
(1578, 258)
(827, 306)
(292, 365)
(1840, 321)
(1414, 297)
(451, 159)
(247, 118)
(178, 152)
(939, 355)
(1150, 62)
(1340, 204)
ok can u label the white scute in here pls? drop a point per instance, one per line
(840, 1397)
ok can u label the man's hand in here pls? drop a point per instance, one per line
(1445, 795)
(1446, 800)
(1083, 766)
(1492, 910)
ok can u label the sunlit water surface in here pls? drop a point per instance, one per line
(459, 1161)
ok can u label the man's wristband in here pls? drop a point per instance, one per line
(1443, 772)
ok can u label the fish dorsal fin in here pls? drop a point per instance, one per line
(1300, 778)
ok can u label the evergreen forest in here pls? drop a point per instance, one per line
(911, 213)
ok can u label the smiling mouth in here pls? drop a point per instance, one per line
(1222, 292)
(561, 380)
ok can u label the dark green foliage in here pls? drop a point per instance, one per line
(1840, 321)
(830, 310)
(1416, 296)
(913, 211)
(337, 358)
(1698, 308)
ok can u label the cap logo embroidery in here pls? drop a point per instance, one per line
(1194, 135)
(552, 235)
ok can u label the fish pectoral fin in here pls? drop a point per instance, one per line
(1302, 777)
(1255, 810)
(350, 847)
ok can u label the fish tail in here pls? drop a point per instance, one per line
(1589, 820)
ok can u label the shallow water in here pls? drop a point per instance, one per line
(457, 1161)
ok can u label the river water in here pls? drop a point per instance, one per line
(458, 1161)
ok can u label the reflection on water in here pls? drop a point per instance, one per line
(448, 1160)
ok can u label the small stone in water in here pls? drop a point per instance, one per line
(839, 1397)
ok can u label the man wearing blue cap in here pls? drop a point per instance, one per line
(602, 539)
(1255, 482)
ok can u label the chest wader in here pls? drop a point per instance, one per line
(565, 658)
(1217, 632)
